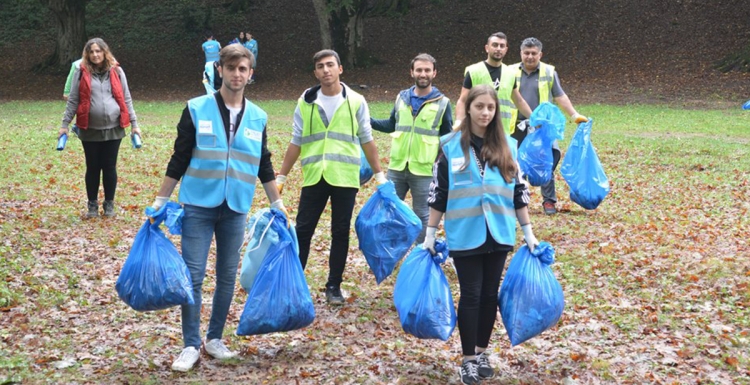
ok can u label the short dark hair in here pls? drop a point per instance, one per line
(498, 35)
(424, 57)
(324, 54)
(234, 52)
(531, 42)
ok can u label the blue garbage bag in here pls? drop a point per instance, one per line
(365, 171)
(422, 295)
(746, 106)
(279, 299)
(386, 228)
(535, 154)
(154, 275)
(261, 238)
(531, 300)
(172, 212)
(583, 171)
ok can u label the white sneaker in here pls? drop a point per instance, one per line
(186, 360)
(216, 349)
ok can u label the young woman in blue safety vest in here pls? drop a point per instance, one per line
(475, 186)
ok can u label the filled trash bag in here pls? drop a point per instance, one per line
(422, 295)
(746, 106)
(531, 300)
(583, 171)
(386, 228)
(547, 124)
(154, 275)
(261, 237)
(365, 171)
(279, 299)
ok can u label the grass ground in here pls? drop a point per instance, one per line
(656, 279)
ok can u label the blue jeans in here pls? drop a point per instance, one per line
(198, 228)
(420, 188)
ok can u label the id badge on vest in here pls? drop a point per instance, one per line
(206, 136)
(460, 177)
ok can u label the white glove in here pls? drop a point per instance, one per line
(528, 236)
(279, 205)
(523, 125)
(159, 202)
(280, 180)
(380, 178)
(429, 240)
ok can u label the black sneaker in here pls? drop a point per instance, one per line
(468, 373)
(334, 296)
(485, 370)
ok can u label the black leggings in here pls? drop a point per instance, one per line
(101, 162)
(479, 281)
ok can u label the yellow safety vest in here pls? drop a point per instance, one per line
(480, 75)
(416, 140)
(331, 152)
(546, 81)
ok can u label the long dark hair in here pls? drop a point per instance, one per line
(496, 150)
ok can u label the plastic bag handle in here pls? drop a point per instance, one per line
(252, 231)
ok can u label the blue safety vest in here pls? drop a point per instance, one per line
(209, 77)
(218, 171)
(211, 48)
(476, 202)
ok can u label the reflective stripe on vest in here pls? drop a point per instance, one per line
(331, 152)
(476, 202)
(416, 140)
(480, 75)
(217, 171)
(545, 83)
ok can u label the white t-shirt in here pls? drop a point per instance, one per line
(233, 113)
(330, 104)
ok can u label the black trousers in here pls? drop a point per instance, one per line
(101, 162)
(479, 282)
(312, 202)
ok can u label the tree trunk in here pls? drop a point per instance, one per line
(70, 22)
(346, 27)
(324, 23)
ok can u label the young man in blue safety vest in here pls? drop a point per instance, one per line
(538, 83)
(331, 122)
(211, 48)
(219, 153)
(421, 115)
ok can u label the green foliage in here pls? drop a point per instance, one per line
(23, 20)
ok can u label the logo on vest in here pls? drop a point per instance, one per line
(253, 135)
(205, 127)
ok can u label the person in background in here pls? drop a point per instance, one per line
(330, 123)
(237, 40)
(538, 83)
(211, 79)
(100, 101)
(211, 48)
(476, 186)
(251, 44)
(68, 82)
(421, 115)
(492, 71)
(73, 68)
(220, 152)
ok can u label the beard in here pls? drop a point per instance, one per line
(422, 83)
